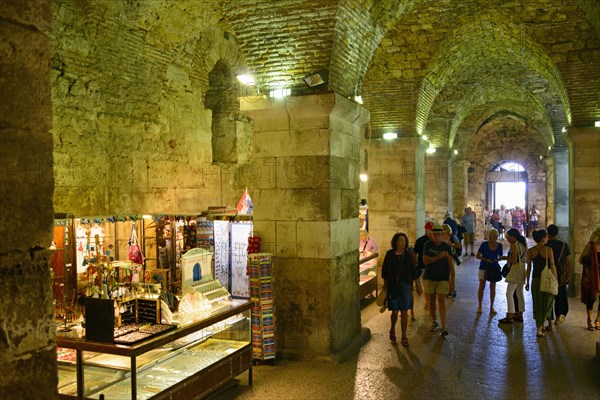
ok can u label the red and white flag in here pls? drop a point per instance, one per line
(244, 206)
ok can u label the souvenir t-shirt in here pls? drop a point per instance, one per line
(439, 270)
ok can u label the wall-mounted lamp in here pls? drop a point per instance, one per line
(280, 93)
(390, 135)
(424, 137)
(597, 124)
(358, 99)
(364, 177)
(430, 149)
(246, 79)
(317, 79)
(564, 129)
(455, 152)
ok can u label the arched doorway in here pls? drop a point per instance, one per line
(506, 184)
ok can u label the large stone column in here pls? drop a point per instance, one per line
(584, 191)
(306, 163)
(436, 182)
(550, 191)
(459, 175)
(396, 189)
(27, 330)
(561, 190)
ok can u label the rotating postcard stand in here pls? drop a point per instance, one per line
(197, 279)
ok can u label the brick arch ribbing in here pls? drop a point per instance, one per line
(474, 41)
(508, 97)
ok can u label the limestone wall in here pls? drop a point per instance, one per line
(132, 133)
(584, 187)
(436, 185)
(306, 162)
(27, 352)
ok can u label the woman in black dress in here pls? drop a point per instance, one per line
(398, 271)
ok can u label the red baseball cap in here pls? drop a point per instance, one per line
(429, 226)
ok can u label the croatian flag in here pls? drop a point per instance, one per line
(244, 206)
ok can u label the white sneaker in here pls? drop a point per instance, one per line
(434, 326)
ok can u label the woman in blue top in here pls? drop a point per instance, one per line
(489, 252)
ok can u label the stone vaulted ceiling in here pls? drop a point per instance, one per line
(434, 67)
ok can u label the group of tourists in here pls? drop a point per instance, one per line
(503, 219)
(436, 253)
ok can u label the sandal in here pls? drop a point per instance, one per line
(404, 342)
(506, 320)
(590, 326)
(539, 335)
(393, 337)
(597, 325)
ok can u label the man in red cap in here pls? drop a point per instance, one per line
(419, 244)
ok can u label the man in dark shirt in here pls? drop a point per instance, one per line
(562, 260)
(438, 278)
(452, 222)
(419, 244)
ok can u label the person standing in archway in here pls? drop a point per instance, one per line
(469, 222)
(487, 220)
(534, 218)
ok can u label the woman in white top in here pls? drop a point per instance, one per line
(507, 220)
(516, 277)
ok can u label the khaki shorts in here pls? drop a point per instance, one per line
(435, 287)
(469, 238)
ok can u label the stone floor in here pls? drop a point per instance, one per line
(479, 359)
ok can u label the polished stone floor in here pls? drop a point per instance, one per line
(480, 359)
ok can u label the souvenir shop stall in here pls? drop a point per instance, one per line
(368, 255)
(154, 306)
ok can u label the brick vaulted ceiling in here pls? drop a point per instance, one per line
(434, 66)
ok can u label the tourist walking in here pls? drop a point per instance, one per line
(534, 219)
(438, 277)
(398, 271)
(487, 221)
(419, 244)
(469, 222)
(538, 258)
(489, 253)
(456, 247)
(562, 261)
(590, 278)
(516, 277)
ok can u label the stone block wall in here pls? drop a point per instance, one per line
(436, 185)
(584, 188)
(131, 131)
(306, 162)
(27, 330)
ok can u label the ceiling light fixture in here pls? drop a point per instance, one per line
(390, 135)
(431, 149)
(597, 124)
(564, 129)
(364, 177)
(358, 99)
(424, 137)
(455, 152)
(317, 79)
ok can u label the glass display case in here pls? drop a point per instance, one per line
(367, 268)
(190, 361)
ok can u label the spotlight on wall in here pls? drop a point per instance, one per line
(364, 177)
(424, 137)
(280, 93)
(316, 79)
(564, 129)
(431, 149)
(246, 79)
(455, 152)
(147, 216)
(597, 124)
(390, 135)
(358, 99)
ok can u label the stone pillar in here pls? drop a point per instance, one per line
(396, 190)
(561, 190)
(307, 162)
(459, 174)
(27, 330)
(584, 192)
(550, 191)
(436, 182)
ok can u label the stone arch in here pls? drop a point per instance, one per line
(495, 99)
(500, 42)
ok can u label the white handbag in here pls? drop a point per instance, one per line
(548, 283)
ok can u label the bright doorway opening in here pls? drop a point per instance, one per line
(510, 194)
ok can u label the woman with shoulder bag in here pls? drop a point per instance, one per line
(489, 252)
(515, 277)
(540, 257)
(590, 278)
(398, 271)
